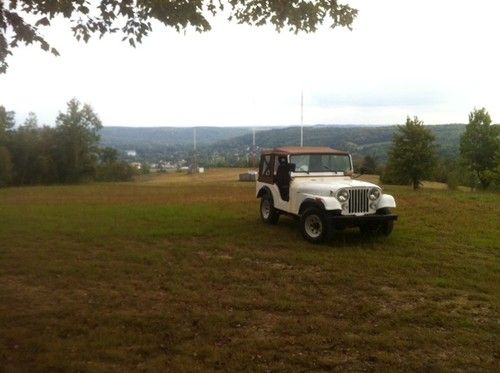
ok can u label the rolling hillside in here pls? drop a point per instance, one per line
(359, 140)
(148, 137)
(232, 143)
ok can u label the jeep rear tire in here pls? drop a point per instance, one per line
(268, 213)
(314, 225)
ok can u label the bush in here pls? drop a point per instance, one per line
(494, 177)
(389, 176)
(145, 168)
(114, 171)
(5, 166)
(452, 180)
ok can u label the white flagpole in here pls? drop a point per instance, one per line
(195, 165)
(302, 118)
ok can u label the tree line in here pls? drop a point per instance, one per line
(413, 155)
(69, 152)
(65, 153)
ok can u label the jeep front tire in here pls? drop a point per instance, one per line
(386, 226)
(314, 225)
(268, 213)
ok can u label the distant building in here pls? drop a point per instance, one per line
(249, 176)
(196, 170)
(131, 153)
(136, 165)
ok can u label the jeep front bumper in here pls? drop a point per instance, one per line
(356, 221)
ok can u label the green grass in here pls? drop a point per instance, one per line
(178, 273)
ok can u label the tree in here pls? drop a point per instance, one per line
(412, 156)
(112, 169)
(7, 121)
(77, 137)
(494, 175)
(5, 166)
(133, 18)
(31, 157)
(369, 165)
(45, 163)
(108, 155)
(479, 146)
(31, 121)
(23, 149)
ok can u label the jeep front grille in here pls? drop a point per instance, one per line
(358, 200)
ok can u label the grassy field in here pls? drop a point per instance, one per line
(177, 273)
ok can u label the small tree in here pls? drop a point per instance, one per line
(5, 166)
(108, 155)
(412, 156)
(494, 175)
(23, 147)
(479, 146)
(369, 165)
(7, 121)
(110, 168)
(77, 137)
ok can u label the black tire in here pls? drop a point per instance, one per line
(268, 213)
(387, 226)
(314, 225)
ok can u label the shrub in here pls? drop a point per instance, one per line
(114, 171)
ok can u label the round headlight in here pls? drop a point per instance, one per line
(342, 195)
(374, 194)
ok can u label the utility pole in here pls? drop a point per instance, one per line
(253, 147)
(194, 138)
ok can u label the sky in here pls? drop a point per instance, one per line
(434, 59)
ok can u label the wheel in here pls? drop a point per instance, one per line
(267, 211)
(387, 226)
(314, 225)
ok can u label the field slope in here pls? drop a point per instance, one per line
(177, 273)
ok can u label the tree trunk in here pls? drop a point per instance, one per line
(416, 184)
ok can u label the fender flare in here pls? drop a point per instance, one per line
(386, 201)
(325, 203)
(264, 190)
(311, 202)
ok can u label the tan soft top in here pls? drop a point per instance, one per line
(288, 150)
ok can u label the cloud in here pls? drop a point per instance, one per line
(380, 97)
(433, 59)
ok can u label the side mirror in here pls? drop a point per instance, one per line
(291, 167)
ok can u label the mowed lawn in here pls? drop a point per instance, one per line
(178, 273)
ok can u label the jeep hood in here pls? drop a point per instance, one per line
(323, 186)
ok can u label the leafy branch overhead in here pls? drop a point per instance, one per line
(21, 20)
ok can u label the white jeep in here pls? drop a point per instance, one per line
(316, 185)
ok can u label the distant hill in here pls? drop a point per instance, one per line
(359, 140)
(148, 137)
(230, 144)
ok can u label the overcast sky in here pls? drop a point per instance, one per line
(434, 59)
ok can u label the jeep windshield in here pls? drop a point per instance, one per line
(321, 163)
